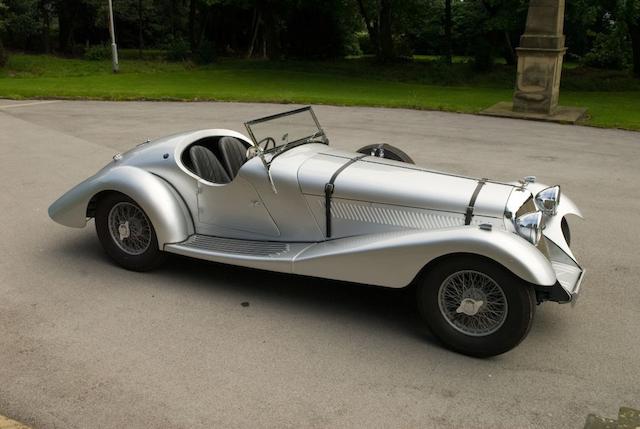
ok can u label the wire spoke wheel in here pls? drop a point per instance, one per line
(472, 303)
(129, 228)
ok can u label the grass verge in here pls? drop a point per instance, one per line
(343, 82)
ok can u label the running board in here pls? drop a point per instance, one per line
(266, 255)
(370, 259)
(391, 259)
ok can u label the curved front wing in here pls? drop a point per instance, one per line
(165, 208)
(568, 271)
(395, 259)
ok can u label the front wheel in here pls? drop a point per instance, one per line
(126, 233)
(475, 306)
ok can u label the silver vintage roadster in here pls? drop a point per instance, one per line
(480, 253)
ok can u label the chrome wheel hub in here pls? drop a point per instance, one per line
(472, 303)
(129, 228)
(124, 231)
(470, 307)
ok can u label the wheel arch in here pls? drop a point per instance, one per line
(164, 206)
(433, 263)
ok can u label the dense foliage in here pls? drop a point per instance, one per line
(600, 33)
(3, 54)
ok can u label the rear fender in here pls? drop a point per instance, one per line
(164, 206)
(395, 259)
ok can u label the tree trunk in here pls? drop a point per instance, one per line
(372, 28)
(66, 17)
(447, 32)
(205, 19)
(140, 33)
(509, 53)
(192, 25)
(257, 20)
(173, 17)
(385, 31)
(634, 32)
(46, 25)
(272, 34)
(3, 55)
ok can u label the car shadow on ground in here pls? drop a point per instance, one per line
(393, 308)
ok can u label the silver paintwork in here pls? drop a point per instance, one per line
(391, 259)
(161, 203)
(389, 219)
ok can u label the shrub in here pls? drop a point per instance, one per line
(97, 53)
(324, 39)
(177, 49)
(610, 50)
(364, 43)
(147, 54)
(206, 53)
(403, 47)
(3, 55)
(352, 45)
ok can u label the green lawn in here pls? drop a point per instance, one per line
(343, 82)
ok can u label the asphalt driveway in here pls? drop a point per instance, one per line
(84, 344)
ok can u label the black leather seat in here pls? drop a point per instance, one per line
(207, 166)
(234, 155)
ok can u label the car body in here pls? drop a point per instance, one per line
(303, 207)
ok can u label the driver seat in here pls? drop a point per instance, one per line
(234, 155)
(207, 166)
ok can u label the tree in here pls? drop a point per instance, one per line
(631, 12)
(448, 24)
(3, 54)
(378, 19)
(488, 28)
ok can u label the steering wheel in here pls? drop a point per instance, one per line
(267, 141)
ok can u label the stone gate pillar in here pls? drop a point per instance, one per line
(539, 68)
(540, 58)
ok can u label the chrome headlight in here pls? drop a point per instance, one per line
(548, 199)
(529, 226)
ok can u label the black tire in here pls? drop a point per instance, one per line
(148, 258)
(386, 151)
(520, 307)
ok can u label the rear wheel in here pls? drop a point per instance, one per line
(126, 233)
(475, 306)
(386, 151)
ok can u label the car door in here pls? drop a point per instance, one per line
(233, 210)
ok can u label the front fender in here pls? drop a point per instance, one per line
(395, 259)
(165, 208)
